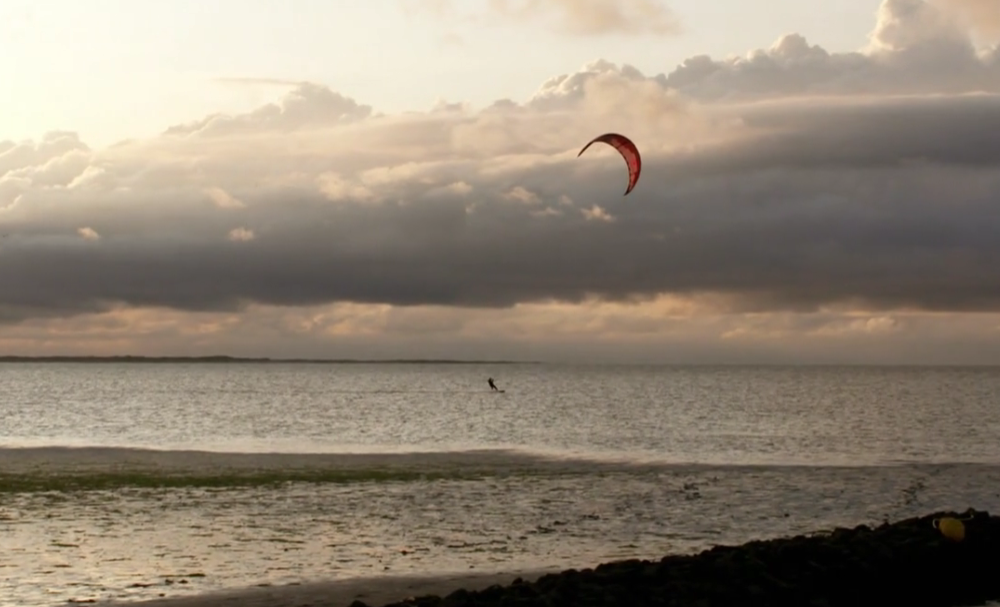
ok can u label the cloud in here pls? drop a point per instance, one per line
(596, 213)
(574, 17)
(981, 15)
(522, 195)
(245, 80)
(30, 158)
(223, 199)
(667, 329)
(88, 234)
(915, 48)
(241, 235)
(307, 106)
(594, 17)
(794, 194)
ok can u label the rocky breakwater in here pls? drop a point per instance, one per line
(908, 563)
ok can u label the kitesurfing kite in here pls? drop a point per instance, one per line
(628, 151)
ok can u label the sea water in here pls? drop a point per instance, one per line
(126, 481)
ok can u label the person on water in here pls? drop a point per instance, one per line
(493, 386)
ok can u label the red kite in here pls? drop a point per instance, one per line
(628, 151)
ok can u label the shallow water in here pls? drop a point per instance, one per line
(144, 543)
(695, 414)
(603, 464)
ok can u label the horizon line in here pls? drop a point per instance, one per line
(225, 358)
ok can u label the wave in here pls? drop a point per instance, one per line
(86, 468)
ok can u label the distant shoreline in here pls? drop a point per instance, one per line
(236, 359)
(222, 359)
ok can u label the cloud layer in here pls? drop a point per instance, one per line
(791, 180)
(981, 15)
(574, 17)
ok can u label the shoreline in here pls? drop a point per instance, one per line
(222, 358)
(908, 562)
(376, 590)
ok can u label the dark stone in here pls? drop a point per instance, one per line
(459, 595)
(907, 562)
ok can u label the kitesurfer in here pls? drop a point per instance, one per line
(493, 386)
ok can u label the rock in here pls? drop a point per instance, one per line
(907, 562)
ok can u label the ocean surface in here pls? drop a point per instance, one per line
(128, 481)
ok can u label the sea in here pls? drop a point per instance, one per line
(137, 480)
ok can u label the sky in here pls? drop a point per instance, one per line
(400, 178)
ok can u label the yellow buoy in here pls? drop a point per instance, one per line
(951, 528)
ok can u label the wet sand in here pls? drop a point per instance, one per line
(900, 563)
(380, 590)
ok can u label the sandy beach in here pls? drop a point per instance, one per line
(373, 591)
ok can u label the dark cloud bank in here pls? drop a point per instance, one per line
(869, 179)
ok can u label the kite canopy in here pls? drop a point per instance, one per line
(628, 151)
